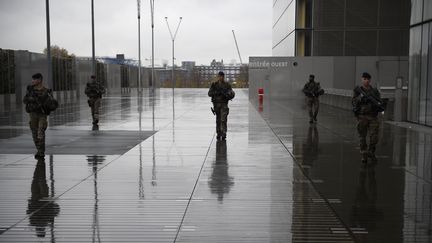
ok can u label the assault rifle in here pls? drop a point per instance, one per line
(50, 104)
(376, 101)
(32, 94)
(316, 92)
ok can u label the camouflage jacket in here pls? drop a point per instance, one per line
(36, 100)
(94, 90)
(364, 106)
(312, 89)
(221, 92)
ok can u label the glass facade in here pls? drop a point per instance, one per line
(342, 27)
(420, 69)
(284, 12)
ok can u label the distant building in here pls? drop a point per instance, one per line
(120, 56)
(191, 76)
(205, 73)
(341, 27)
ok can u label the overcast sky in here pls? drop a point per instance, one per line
(205, 32)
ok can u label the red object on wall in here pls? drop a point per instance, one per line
(261, 91)
(260, 99)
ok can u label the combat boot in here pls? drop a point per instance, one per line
(40, 151)
(364, 154)
(39, 155)
(371, 154)
(364, 158)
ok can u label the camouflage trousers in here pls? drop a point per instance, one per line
(368, 125)
(38, 125)
(313, 107)
(222, 111)
(94, 104)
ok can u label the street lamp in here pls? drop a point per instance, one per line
(173, 39)
(152, 60)
(50, 82)
(93, 40)
(139, 46)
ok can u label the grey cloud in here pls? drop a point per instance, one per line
(205, 32)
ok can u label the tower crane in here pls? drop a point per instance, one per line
(238, 51)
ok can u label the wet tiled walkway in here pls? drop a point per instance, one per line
(275, 179)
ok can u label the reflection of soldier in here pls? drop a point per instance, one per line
(37, 101)
(220, 182)
(94, 161)
(312, 90)
(310, 151)
(221, 92)
(367, 104)
(364, 210)
(94, 91)
(41, 212)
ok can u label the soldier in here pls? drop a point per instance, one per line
(312, 90)
(94, 91)
(221, 92)
(39, 103)
(367, 104)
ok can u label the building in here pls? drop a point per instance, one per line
(182, 75)
(341, 27)
(206, 73)
(420, 67)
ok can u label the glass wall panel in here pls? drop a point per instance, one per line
(328, 43)
(423, 73)
(361, 43)
(303, 42)
(283, 28)
(414, 73)
(304, 14)
(279, 8)
(362, 13)
(328, 14)
(427, 10)
(416, 11)
(393, 42)
(429, 80)
(286, 47)
(394, 13)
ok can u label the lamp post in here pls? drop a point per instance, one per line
(173, 39)
(152, 59)
(50, 82)
(139, 46)
(93, 40)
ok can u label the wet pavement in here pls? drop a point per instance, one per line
(154, 172)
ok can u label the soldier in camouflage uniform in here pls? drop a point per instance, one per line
(36, 100)
(312, 90)
(221, 92)
(94, 91)
(366, 106)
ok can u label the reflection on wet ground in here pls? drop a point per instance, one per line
(387, 202)
(163, 177)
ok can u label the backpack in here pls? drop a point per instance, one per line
(51, 104)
